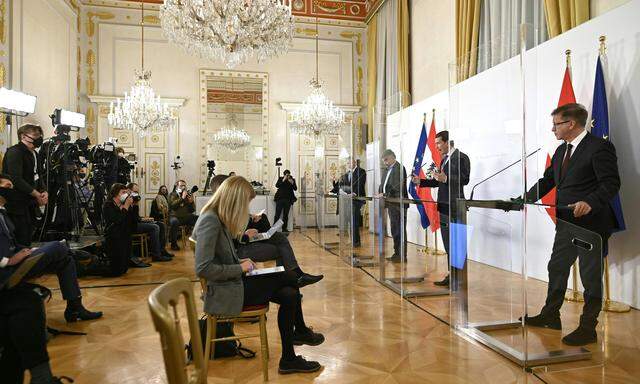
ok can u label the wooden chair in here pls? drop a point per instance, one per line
(249, 314)
(185, 231)
(141, 240)
(163, 305)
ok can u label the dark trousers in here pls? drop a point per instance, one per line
(23, 337)
(563, 256)
(153, 231)
(398, 229)
(276, 248)
(56, 259)
(282, 207)
(444, 231)
(279, 288)
(176, 222)
(356, 221)
(23, 223)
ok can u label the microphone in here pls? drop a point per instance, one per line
(500, 171)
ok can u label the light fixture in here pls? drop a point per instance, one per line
(317, 115)
(344, 154)
(231, 137)
(141, 111)
(231, 31)
(68, 118)
(259, 153)
(16, 103)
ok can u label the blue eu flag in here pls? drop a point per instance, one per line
(600, 128)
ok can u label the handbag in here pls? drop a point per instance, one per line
(227, 348)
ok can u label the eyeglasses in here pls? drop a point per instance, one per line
(555, 125)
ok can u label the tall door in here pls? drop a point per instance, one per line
(154, 154)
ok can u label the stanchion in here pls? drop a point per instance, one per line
(574, 294)
(610, 305)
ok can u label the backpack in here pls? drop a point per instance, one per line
(228, 348)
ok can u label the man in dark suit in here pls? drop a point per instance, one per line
(584, 171)
(394, 186)
(21, 164)
(358, 180)
(285, 197)
(450, 179)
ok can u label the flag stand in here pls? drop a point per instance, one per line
(610, 305)
(574, 294)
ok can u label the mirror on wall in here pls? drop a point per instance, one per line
(237, 101)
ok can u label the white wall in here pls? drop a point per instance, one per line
(44, 45)
(176, 74)
(485, 116)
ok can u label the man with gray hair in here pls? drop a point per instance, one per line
(394, 186)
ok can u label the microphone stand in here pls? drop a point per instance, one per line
(500, 171)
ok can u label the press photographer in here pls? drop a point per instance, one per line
(182, 208)
(124, 167)
(21, 164)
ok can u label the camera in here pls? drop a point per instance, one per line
(211, 165)
(278, 161)
(135, 196)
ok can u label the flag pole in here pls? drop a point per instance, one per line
(609, 305)
(574, 294)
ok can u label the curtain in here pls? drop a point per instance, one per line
(403, 28)
(500, 24)
(562, 15)
(372, 32)
(467, 31)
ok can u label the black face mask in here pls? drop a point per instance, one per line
(37, 143)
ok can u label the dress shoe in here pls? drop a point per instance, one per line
(394, 256)
(136, 262)
(160, 258)
(167, 254)
(307, 279)
(442, 283)
(543, 322)
(298, 364)
(73, 315)
(581, 336)
(174, 247)
(397, 259)
(307, 337)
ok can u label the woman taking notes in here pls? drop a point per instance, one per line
(222, 220)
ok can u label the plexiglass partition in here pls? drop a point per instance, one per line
(500, 243)
(343, 188)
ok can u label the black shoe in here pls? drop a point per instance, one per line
(167, 254)
(307, 337)
(299, 364)
(307, 279)
(581, 336)
(71, 316)
(174, 247)
(160, 258)
(442, 283)
(136, 262)
(396, 259)
(543, 322)
(58, 380)
(394, 256)
(357, 245)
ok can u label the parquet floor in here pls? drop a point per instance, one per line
(372, 335)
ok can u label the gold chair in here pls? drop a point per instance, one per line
(163, 305)
(141, 240)
(186, 232)
(249, 314)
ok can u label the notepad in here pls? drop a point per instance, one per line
(265, 271)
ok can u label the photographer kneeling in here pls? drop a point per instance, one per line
(119, 223)
(229, 289)
(55, 259)
(154, 229)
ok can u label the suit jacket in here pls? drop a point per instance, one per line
(286, 190)
(19, 163)
(218, 263)
(457, 170)
(359, 182)
(396, 185)
(592, 176)
(8, 247)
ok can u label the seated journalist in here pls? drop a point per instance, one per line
(229, 289)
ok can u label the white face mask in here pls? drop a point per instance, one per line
(178, 191)
(123, 198)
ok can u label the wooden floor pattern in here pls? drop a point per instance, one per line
(372, 336)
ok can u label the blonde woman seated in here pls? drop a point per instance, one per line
(222, 220)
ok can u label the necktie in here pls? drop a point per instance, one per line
(565, 162)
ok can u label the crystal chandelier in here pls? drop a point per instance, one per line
(231, 137)
(141, 111)
(231, 31)
(317, 115)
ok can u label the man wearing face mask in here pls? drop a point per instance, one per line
(182, 208)
(21, 164)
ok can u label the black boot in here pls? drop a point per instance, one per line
(543, 321)
(581, 336)
(308, 337)
(298, 364)
(76, 311)
(442, 283)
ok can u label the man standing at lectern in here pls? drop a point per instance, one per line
(394, 187)
(450, 179)
(584, 170)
